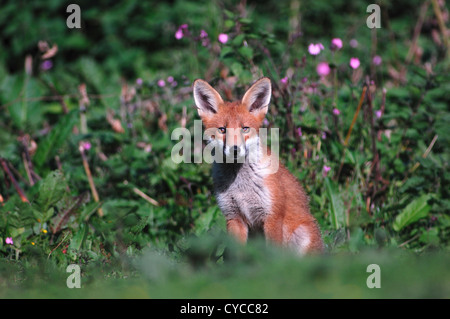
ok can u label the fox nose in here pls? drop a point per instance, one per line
(236, 150)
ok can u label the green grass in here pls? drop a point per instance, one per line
(256, 271)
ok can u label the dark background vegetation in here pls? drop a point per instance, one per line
(156, 230)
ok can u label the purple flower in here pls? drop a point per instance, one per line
(204, 38)
(336, 111)
(265, 122)
(336, 44)
(315, 48)
(139, 81)
(323, 69)
(46, 65)
(284, 80)
(377, 60)
(9, 241)
(324, 135)
(161, 83)
(378, 114)
(354, 63)
(223, 38)
(353, 43)
(299, 131)
(170, 79)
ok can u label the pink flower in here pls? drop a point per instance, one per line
(299, 131)
(377, 60)
(170, 79)
(325, 171)
(323, 69)
(324, 136)
(86, 146)
(336, 44)
(9, 241)
(353, 43)
(315, 48)
(284, 80)
(354, 63)
(336, 111)
(179, 34)
(161, 83)
(378, 114)
(203, 34)
(223, 38)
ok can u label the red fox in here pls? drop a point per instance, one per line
(249, 194)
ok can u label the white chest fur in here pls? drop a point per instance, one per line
(240, 190)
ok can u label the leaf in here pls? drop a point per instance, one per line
(246, 52)
(226, 51)
(70, 208)
(89, 210)
(238, 40)
(237, 69)
(413, 212)
(51, 190)
(48, 147)
(204, 222)
(228, 13)
(336, 205)
(78, 239)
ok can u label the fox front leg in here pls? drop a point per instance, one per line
(238, 229)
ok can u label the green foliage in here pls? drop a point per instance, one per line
(413, 212)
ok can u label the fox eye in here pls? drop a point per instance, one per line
(246, 129)
(222, 130)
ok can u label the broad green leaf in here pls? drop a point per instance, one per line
(51, 190)
(225, 51)
(246, 52)
(413, 212)
(238, 40)
(78, 239)
(236, 68)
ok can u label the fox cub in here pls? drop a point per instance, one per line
(253, 190)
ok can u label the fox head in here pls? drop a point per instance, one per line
(233, 125)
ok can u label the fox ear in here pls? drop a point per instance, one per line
(257, 98)
(206, 98)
